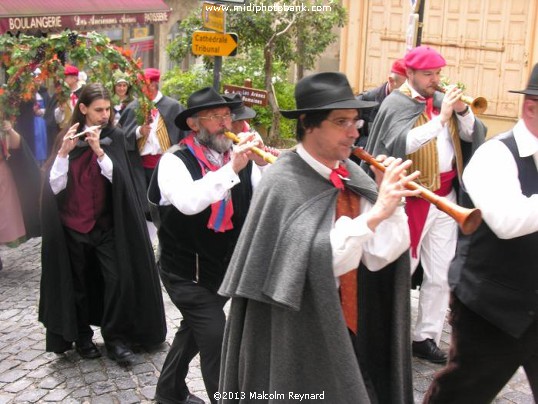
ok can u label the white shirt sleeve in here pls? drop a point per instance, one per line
(466, 124)
(352, 240)
(58, 115)
(419, 136)
(188, 196)
(491, 179)
(58, 174)
(107, 167)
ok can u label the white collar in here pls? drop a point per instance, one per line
(320, 168)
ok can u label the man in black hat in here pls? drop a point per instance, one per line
(493, 278)
(320, 275)
(242, 113)
(201, 190)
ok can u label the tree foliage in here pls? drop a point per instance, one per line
(292, 32)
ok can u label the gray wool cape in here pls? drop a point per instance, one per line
(285, 332)
(397, 116)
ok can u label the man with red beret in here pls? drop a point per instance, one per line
(62, 113)
(147, 142)
(395, 79)
(438, 132)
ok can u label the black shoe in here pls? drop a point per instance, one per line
(428, 350)
(65, 346)
(120, 353)
(192, 399)
(88, 350)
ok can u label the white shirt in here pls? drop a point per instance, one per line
(352, 239)
(60, 168)
(491, 179)
(152, 145)
(59, 115)
(191, 197)
(417, 137)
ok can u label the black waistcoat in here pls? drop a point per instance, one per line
(187, 247)
(498, 278)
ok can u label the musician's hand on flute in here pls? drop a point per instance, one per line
(392, 188)
(92, 138)
(69, 142)
(249, 140)
(240, 154)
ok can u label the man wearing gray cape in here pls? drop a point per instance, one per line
(320, 275)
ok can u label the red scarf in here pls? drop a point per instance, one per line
(337, 174)
(222, 211)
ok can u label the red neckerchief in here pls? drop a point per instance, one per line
(222, 211)
(337, 174)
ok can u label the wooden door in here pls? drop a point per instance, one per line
(485, 43)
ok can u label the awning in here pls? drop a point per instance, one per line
(80, 15)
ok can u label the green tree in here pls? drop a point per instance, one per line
(286, 31)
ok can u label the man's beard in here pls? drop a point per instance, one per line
(220, 144)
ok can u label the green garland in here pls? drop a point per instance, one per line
(91, 52)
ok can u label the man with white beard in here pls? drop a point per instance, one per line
(199, 196)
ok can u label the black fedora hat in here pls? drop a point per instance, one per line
(242, 111)
(324, 91)
(532, 85)
(206, 98)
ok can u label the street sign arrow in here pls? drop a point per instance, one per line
(214, 43)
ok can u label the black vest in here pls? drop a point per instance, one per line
(497, 278)
(187, 247)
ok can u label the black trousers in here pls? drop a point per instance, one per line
(201, 330)
(95, 251)
(482, 359)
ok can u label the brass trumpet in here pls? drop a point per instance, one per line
(468, 219)
(478, 104)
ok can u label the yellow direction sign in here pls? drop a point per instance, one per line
(214, 17)
(214, 43)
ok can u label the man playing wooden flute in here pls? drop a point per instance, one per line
(317, 312)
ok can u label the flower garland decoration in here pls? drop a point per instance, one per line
(91, 52)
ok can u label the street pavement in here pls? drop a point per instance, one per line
(28, 374)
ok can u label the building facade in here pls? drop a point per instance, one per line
(490, 46)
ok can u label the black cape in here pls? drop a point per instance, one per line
(141, 296)
(169, 109)
(285, 330)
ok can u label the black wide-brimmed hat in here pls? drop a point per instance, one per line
(206, 98)
(241, 112)
(532, 86)
(322, 92)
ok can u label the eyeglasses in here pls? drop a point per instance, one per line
(218, 118)
(346, 123)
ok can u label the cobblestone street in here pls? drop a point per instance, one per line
(28, 374)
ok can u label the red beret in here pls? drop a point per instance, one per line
(398, 67)
(152, 74)
(70, 70)
(424, 58)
